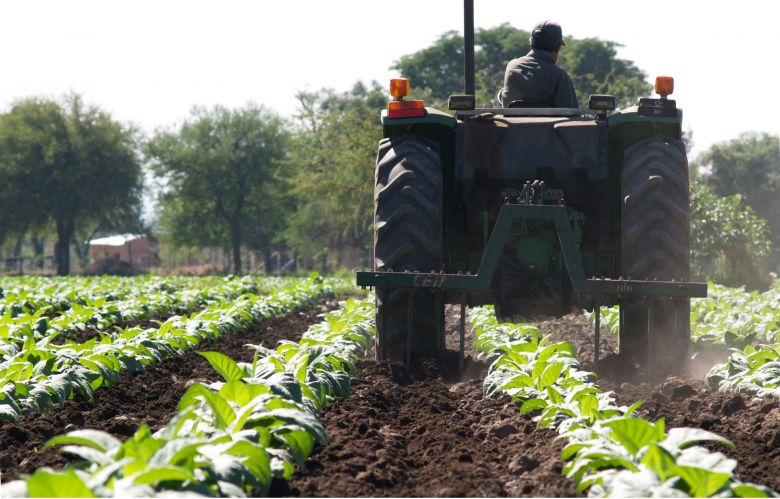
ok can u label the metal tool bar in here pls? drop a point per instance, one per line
(581, 285)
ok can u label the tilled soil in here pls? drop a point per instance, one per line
(412, 435)
(425, 434)
(149, 397)
(686, 400)
(400, 435)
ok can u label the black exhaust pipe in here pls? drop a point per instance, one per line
(468, 45)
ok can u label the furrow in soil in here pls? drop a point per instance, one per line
(413, 434)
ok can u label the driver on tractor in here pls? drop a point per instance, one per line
(534, 80)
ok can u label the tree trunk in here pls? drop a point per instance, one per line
(62, 247)
(236, 250)
(267, 261)
(82, 253)
(18, 247)
(39, 245)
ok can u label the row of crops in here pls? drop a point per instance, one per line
(36, 371)
(609, 451)
(746, 326)
(233, 437)
(230, 438)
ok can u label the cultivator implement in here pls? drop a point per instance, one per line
(466, 288)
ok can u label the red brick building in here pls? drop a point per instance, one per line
(135, 249)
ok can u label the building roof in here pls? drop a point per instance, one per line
(117, 240)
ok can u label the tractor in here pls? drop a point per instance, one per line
(538, 211)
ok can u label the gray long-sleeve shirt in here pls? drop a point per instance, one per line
(535, 78)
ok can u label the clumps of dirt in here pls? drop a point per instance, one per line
(149, 397)
(414, 435)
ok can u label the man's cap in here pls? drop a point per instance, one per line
(546, 36)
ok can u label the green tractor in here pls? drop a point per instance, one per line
(539, 211)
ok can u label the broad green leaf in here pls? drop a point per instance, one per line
(163, 473)
(236, 391)
(89, 454)
(680, 438)
(659, 460)
(550, 375)
(47, 483)
(220, 408)
(140, 448)
(640, 484)
(176, 450)
(301, 443)
(701, 482)
(570, 450)
(554, 396)
(229, 470)
(518, 381)
(633, 433)
(636, 405)
(299, 418)
(7, 413)
(750, 490)
(257, 461)
(700, 457)
(95, 439)
(224, 365)
(540, 366)
(575, 394)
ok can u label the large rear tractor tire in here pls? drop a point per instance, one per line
(408, 235)
(655, 228)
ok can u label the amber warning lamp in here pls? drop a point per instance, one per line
(663, 107)
(664, 86)
(400, 108)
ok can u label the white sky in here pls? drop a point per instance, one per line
(148, 62)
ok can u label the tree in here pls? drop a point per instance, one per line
(750, 166)
(219, 175)
(729, 243)
(437, 71)
(70, 164)
(332, 172)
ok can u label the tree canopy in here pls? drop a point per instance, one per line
(748, 165)
(729, 242)
(437, 71)
(71, 165)
(218, 171)
(332, 172)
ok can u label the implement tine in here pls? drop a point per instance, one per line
(462, 352)
(409, 316)
(381, 354)
(597, 346)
